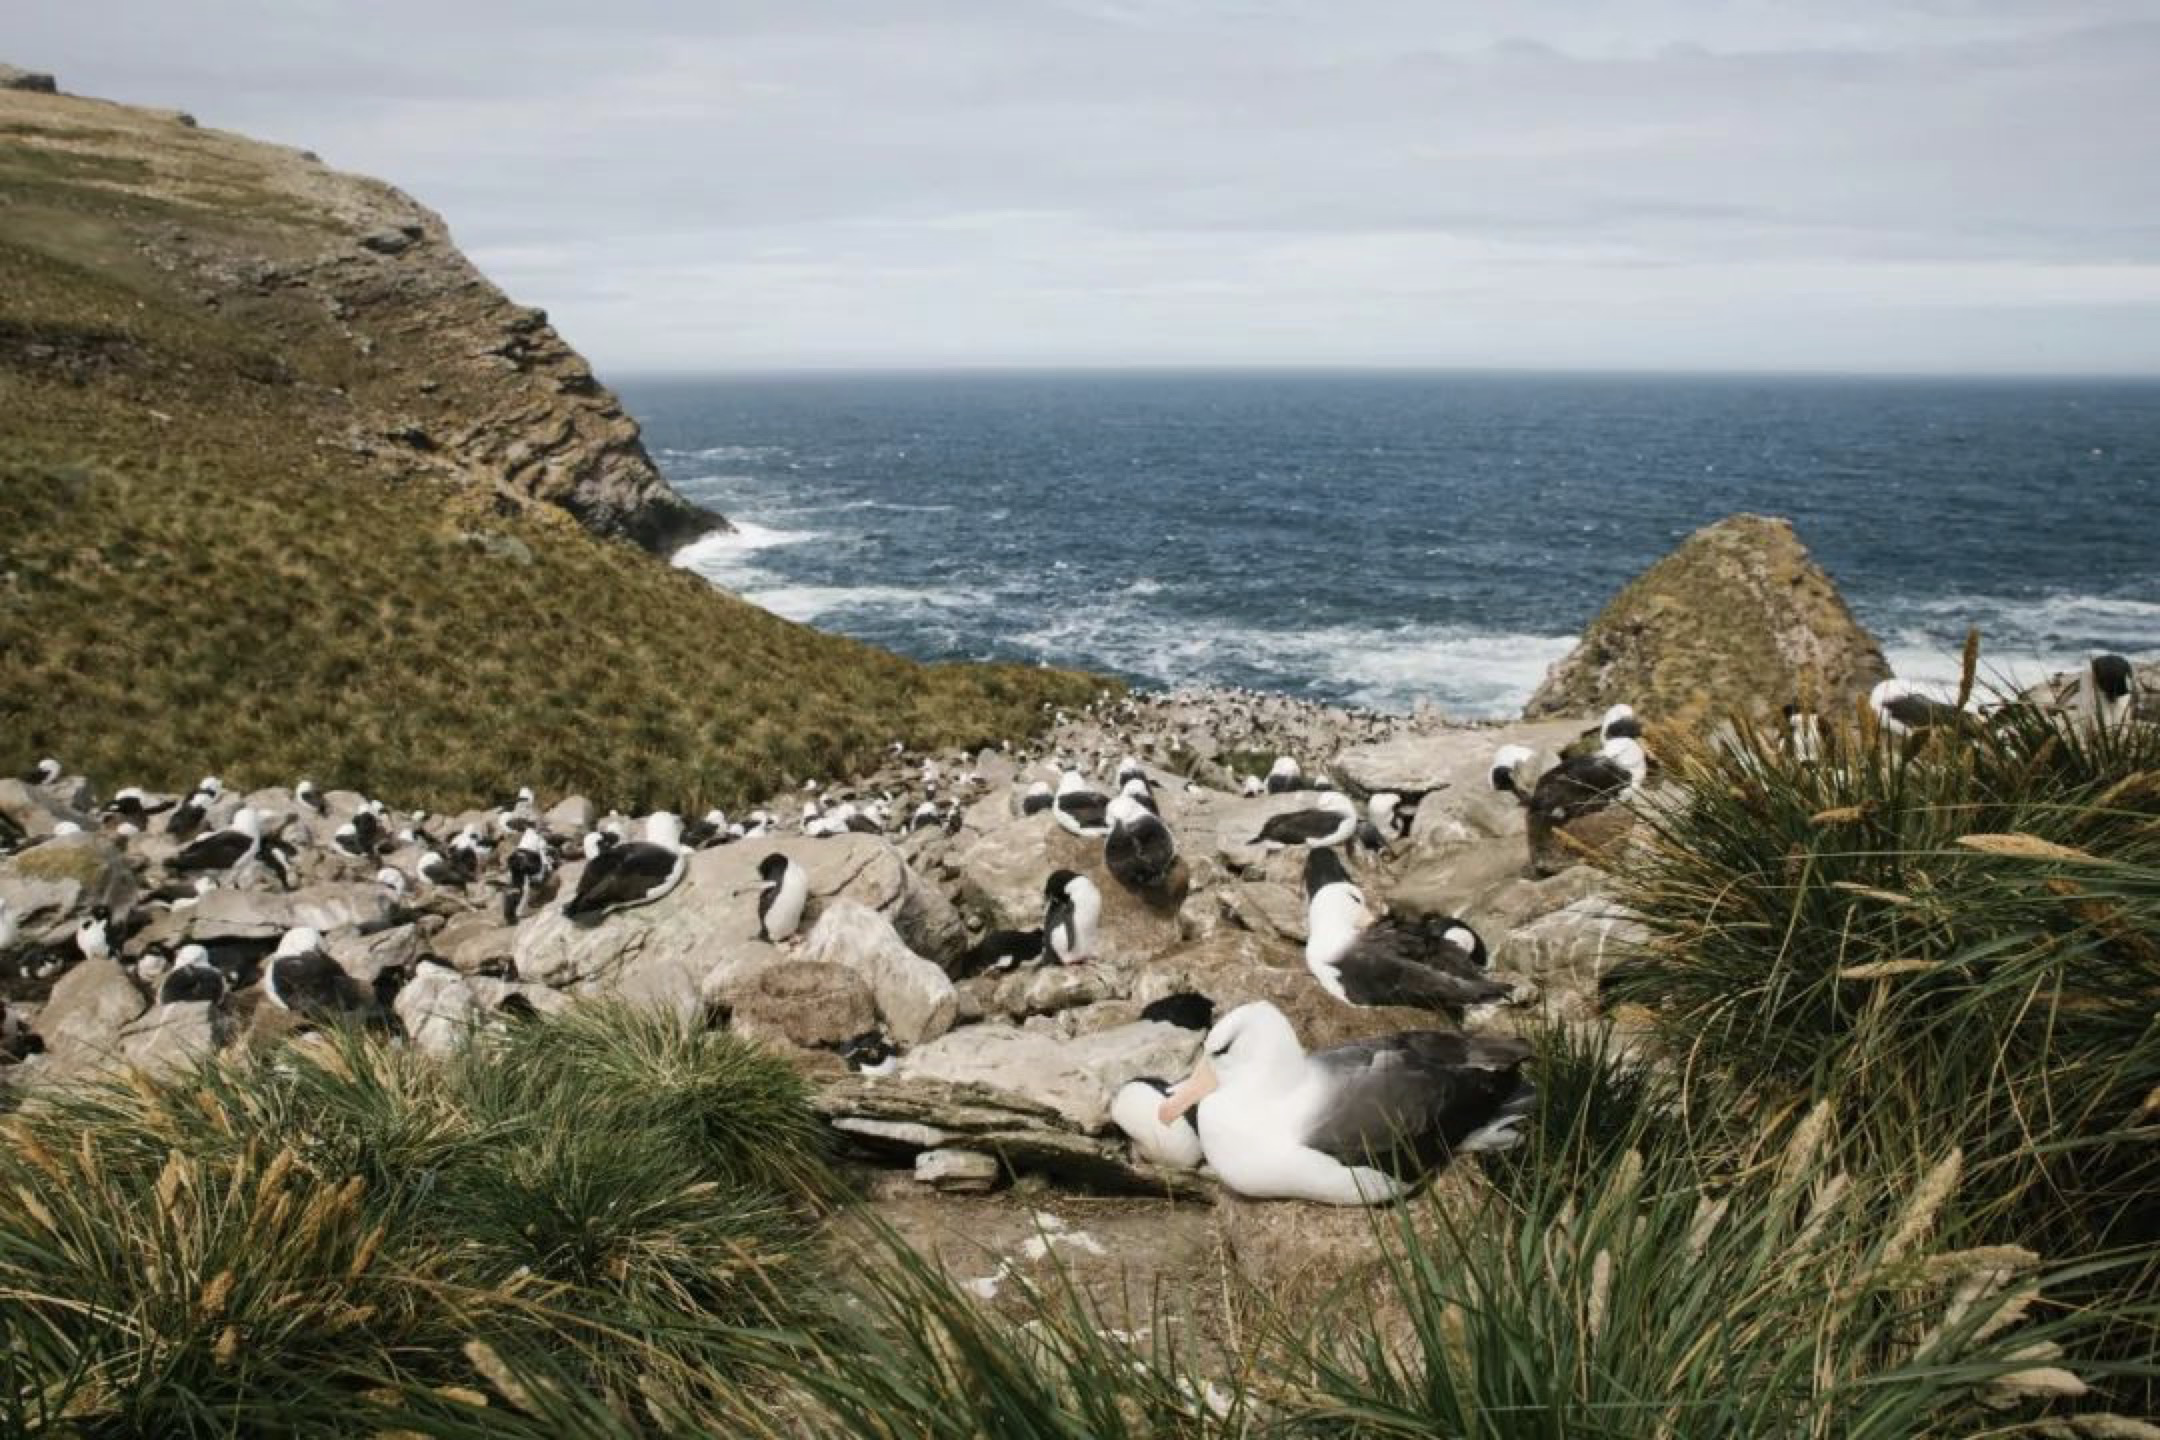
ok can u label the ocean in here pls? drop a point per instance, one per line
(1386, 539)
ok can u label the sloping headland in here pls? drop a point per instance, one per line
(286, 484)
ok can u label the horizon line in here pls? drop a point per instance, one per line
(1050, 368)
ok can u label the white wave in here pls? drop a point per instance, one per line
(1468, 673)
(725, 556)
(899, 505)
(812, 602)
(1145, 585)
(729, 452)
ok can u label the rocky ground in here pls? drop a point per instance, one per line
(999, 1102)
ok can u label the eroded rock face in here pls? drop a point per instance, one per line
(453, 381)
(1738, 619)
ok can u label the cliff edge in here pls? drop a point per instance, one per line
(369, 330)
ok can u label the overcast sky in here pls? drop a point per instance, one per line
(1842, 185)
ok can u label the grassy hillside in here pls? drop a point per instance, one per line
(217, 553)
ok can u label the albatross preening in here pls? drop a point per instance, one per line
(1136, 1110)
(1361, 1124)
(1332, 819)
(1576, 786)
(636, 872)
(1432, 964)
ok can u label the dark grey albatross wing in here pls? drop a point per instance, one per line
(1390, 966)
(1577, 787)
(627, 874)
(1402, 1103)
(1141, 855)
(1300, 827)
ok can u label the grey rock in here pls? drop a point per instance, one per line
(473, 941)
(438, 1009)
(36, 81)
(56, 882)
(171, 1039)
(957, 1171)
(1049, 988)
(1566, 952)
(896, 1118)
(390, 240)
(364, 955)
(1074, 1077)
(265, 914)
(914, 997)
(807, 1003)
(82, 1019)
(572, 815)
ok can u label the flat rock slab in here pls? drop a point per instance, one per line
(895, 1118)
(1075, 1076)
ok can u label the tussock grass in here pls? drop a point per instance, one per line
(1786, 1289)
(1959, 940)
(262, 1248)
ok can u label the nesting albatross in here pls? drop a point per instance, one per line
(636, 872)
(1360, 959)
(1361, 1124)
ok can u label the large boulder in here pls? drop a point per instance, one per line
(806, 1003)
(53, 884)
(1455, 765)
(1738, 619)
(914, 997)
(81, 1022)
(688, 947)
(171, 1039)
(359, 907)
(1565, 954)
(1001, 878)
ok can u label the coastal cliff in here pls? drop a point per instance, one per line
(371, 333)
(286, 485)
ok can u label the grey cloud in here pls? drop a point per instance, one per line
(1394, 181)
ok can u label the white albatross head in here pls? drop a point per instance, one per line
(1253, 1047)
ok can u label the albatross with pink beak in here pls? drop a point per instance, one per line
(1360, 1124)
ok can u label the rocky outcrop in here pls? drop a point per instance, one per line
(1738, 620)
(387, 339)
(36, 82)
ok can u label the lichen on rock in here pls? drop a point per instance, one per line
(1739, 619)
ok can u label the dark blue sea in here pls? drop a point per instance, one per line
(1385, 539)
